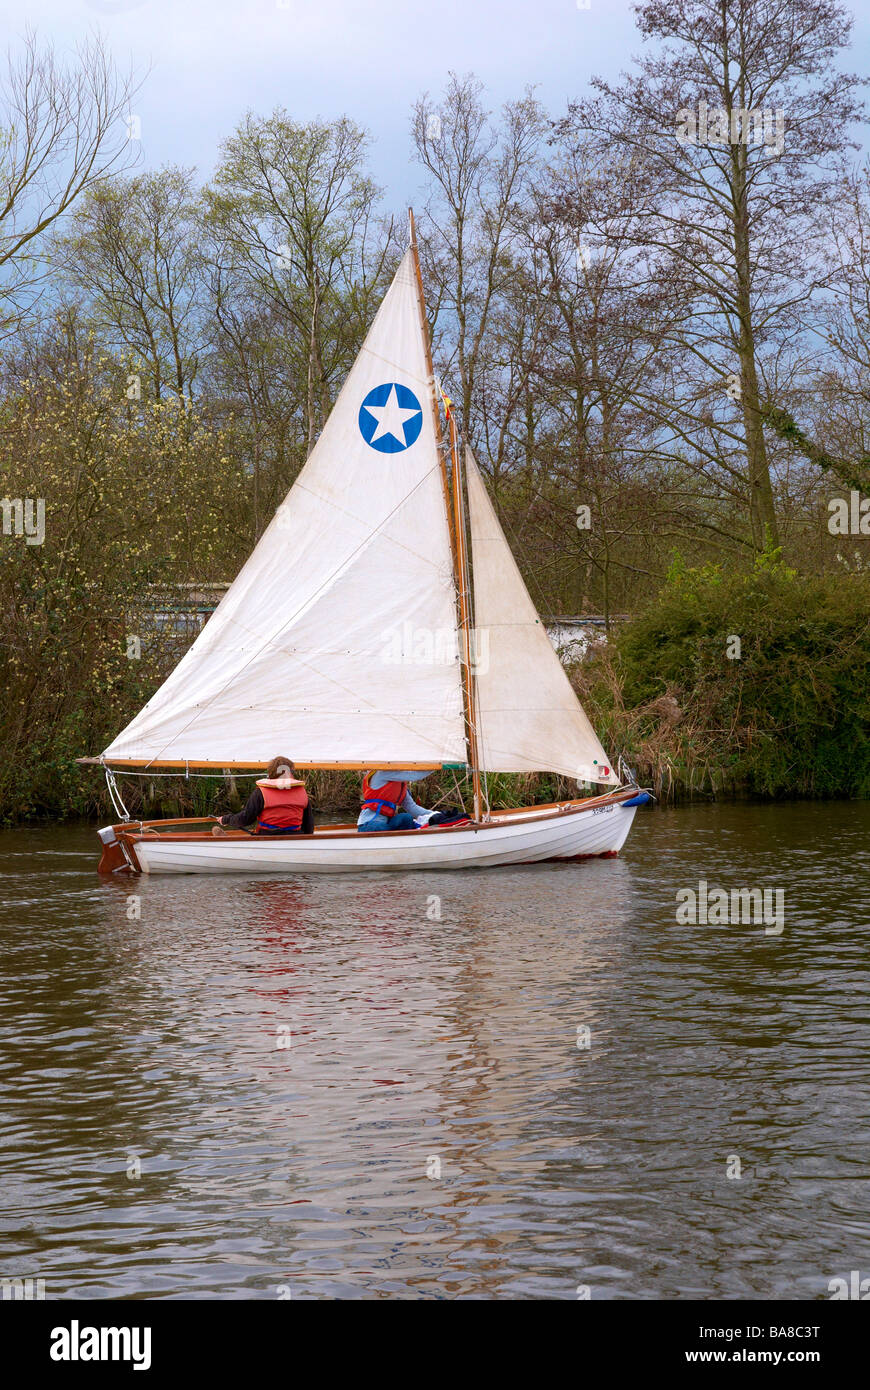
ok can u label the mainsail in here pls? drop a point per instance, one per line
(528, 717)
(337, 642)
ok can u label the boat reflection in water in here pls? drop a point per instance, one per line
(372, 1048)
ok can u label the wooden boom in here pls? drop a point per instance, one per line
(182, 765)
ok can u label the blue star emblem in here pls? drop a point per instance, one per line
(390, 418)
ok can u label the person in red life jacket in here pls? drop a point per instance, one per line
(278, 805)
(387, 804)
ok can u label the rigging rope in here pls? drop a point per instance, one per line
(117, 800)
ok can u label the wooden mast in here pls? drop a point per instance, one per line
(457, 537)
(464, 608)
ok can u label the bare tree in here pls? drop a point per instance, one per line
(839, 400)
(61, 132)
(741, 123)
(294, 208)
(608, 345)
(258, 378)
(480, 173)
(135, 249)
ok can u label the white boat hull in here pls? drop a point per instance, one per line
(569, 831)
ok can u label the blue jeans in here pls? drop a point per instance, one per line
(400, 821)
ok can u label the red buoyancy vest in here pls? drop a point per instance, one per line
(284, 800)
(385, 800)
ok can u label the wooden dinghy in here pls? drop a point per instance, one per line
(595, 827)
(380, 622)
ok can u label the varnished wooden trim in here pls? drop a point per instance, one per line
(549, 811)
(261, 766)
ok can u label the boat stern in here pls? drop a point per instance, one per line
(118, 856)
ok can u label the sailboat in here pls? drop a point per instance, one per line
(380, 622)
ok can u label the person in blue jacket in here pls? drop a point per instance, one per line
(387, 804)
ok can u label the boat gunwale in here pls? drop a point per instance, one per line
(524, 815)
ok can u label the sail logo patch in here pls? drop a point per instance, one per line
(390, 418)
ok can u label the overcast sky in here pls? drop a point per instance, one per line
(210, 60)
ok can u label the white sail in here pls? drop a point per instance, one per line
(337, 641)
(528, 717)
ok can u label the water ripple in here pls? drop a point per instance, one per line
(309, 1085)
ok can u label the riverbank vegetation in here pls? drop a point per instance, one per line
(727, 684)
(741, 683)
(657, 347)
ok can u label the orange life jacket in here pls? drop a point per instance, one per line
(284, 800)
(385, 800)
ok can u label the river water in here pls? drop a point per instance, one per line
(316, 1087)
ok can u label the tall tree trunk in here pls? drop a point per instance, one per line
(762, 512)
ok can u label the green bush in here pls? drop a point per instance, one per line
(127, 507)
(788, 717)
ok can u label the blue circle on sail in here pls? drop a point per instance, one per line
(390, 418)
